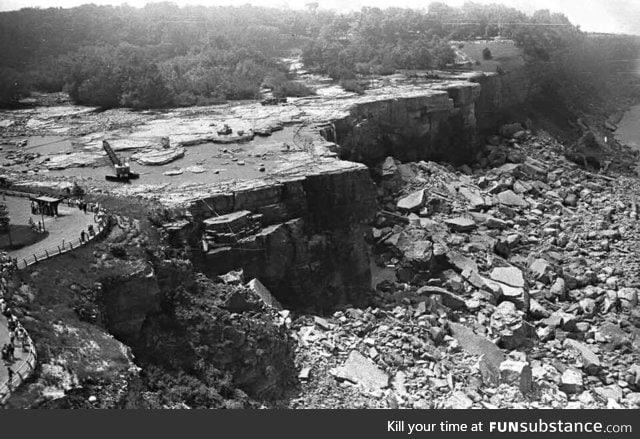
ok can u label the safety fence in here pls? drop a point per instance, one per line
(65, 246)
(28, 359)
(26, 366)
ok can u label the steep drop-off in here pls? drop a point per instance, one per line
(302, 237)
(441, 121)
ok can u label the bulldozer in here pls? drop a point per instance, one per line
(123, 170)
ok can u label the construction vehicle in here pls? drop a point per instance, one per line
(123, 171)
(225, 130)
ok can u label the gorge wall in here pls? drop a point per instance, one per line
(302, 237)
(442, 121)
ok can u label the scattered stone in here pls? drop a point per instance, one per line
(304, 374)
(448, 298)
(541, 270)
(461, 262)
(633, 399)
(510, 198)
(475, 344)
(511, 276)
(265, 295)
(510, 130)
(388, 167)
(496, 223)
(361, 370)
(590, 361)
(458, 401)
(412, 202)
(473, 196)
(571, 381)
(517, 373)
(513, 330)
(628, 297)
(606, 393)
(173, 172)
(461, 224)
(558, 288)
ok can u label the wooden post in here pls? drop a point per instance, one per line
(46, 253)
(60, 251)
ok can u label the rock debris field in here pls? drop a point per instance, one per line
(516, 286)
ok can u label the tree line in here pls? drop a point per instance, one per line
(164, 55)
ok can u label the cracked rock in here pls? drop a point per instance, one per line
(517, 373)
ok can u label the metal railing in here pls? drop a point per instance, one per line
(24, 369)
(65, 246)
(28, 363)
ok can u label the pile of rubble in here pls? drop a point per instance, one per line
(516, 286)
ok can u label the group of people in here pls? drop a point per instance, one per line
(83, 205)
(36, 227)
(90, 233)
(17, 334)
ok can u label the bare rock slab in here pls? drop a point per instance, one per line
(591, 362)
(360, 370)
(473, 196)
(510, 198)
(511, 276)
(412, 202)
(491, 355)
(265, 295)
(461, 224)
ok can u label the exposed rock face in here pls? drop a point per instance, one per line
(303, 237)
(431, 124)
(196, 326)
(499, 94)
(127, 301)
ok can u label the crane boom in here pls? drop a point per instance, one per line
(112, 155)
(123, 171)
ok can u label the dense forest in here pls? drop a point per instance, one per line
(165, 55)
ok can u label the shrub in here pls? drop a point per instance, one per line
(118, 250)
(486, 53)
(352, 85)
(291, 88)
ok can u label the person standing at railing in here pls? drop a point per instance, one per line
(10, 374)
(23, 338)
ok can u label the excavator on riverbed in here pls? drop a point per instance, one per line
(123, 171)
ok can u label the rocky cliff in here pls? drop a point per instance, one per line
(440, 121)
(436, 123)
(303, 236)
